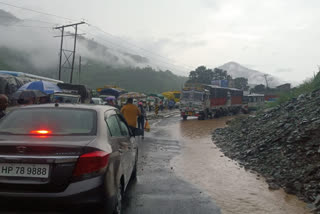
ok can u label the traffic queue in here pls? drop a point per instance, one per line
(60, 146)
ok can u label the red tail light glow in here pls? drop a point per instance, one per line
(41, 132)
(91, 162)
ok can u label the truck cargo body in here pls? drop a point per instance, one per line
(210, 100)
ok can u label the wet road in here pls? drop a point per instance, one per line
(158, 190)
(182, 171)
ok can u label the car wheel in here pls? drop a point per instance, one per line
(118, 207)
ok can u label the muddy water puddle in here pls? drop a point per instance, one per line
(234, 189)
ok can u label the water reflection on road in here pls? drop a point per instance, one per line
(234, 189)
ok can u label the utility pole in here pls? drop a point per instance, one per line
(79, 67)
(68, 53)
(74, 52)
(61, 46)
(266, 78)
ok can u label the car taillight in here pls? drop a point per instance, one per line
(41, 132)
(91, 162)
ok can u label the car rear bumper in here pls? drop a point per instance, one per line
(88, 191)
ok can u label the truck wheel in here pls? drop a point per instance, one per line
(206, 115)
(184, 117)
(201, 116)
(217, 114)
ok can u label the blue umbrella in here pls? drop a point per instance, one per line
(44, 86)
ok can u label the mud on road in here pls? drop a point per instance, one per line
(234, 189)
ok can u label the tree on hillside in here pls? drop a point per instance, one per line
(205, 75)
(201, 75)
(241, 83)
(219, 74)
(259, 89)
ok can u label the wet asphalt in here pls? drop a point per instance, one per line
(158, 190)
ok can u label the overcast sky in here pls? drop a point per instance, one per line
(280, 37)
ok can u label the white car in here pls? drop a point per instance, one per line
(97, 101)
(67, 98)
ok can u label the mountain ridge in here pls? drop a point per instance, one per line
(254, 77)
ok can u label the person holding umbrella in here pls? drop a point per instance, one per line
(111, 101)
(3, 105)
(28, 97)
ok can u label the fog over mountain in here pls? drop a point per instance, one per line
(254, 77)
(29, 46)
(38, 45)
(25, 42)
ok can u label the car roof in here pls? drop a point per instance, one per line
(66, 94)
(72, 106)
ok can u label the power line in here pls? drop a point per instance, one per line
(134, 45)
(28, 20)
(27, 26)
(99, 29)
(170, 67)
(36, 11)
(34, 20)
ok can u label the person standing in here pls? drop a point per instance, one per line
(131, 113)
(161, 105)
(141, 118)
(149, 106)
(3, 105)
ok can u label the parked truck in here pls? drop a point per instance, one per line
(204, 101)
(73, 94)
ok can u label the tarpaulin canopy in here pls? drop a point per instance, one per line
(10, 84)
(111, 91)
(157, 95)
(135, 95)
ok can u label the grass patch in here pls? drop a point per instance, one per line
(306, 87)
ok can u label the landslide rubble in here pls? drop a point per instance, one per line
(282, 144)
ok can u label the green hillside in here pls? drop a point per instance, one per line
(96, 74)
(134, 79)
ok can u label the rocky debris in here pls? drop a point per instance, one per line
(282, 144)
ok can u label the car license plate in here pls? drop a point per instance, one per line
(24, 170)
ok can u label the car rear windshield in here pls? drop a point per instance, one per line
(66, 99)
(55, 121)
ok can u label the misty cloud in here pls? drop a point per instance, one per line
(284, 70)
(271, 34)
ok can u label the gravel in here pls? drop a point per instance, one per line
(282, 144)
